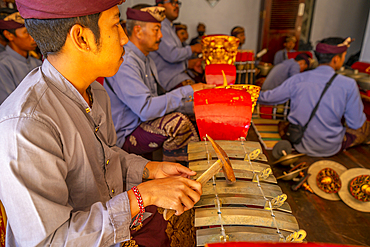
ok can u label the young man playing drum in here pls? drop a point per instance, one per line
(64, 182)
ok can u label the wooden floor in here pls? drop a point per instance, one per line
(327, 221)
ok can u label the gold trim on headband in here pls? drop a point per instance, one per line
(157, 12)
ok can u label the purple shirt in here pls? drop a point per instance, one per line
(171, 58)
(279, 73)
(324, 134)
(135, 98)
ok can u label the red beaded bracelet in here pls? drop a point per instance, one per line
(139, 217)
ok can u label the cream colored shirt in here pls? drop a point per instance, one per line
(62, 176)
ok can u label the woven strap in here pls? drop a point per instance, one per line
(139, 217)
(317, 105)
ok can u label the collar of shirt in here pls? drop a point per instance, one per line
(136, 50)
(16, 55)
(325, 69)
(55, 78)
(167, 22)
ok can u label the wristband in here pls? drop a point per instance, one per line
(139, 218)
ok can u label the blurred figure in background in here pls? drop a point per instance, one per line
(282, 55)
(172, 58)
(286, 69)
(201, 29)
(15, 61)
(182, 32)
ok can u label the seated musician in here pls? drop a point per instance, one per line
(239, 33)
(325, 134)
(282, 54)
(172, 59)
(64, 182)
(144, 115)
(284, 70)
(15, 61)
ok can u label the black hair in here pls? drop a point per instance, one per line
(51, 34)
(304, 57)
(130, 24)
(232, 30)
(10, 31)
(324, 58)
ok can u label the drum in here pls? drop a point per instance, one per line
(220, 110)
(245, 66)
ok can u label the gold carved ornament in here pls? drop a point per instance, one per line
(219, 49)
(359, 188)
(328, 181)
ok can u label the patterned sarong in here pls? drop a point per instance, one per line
(173, 131)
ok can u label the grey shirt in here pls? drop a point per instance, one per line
(63, 178)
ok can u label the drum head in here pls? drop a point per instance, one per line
(315, 168)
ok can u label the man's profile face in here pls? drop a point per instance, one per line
(302, 65)
(152, 36)
(241, 36)
(183, 35)
(112, 39)
(23, 40)
(172, 10)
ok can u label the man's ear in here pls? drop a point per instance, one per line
(138, 31)
(337, 58)
(82, 38)
(8, 35)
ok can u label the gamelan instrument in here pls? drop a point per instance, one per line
(222, 162)
(282, 151)
(325, 179)
(356, 189)
(252, 207)
(243, 201)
